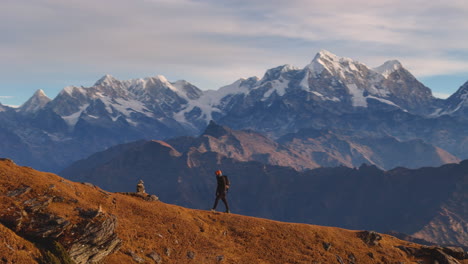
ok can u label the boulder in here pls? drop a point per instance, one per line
(371, 238)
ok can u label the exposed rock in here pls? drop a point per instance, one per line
(339, 259)
(87, 241)
(46, 225)
(371, 238)
(219, 258)
(156, 257)
(168, 251)
(19, 191)
(89, 213)
(97, 239)
(58, 199)
(152, 198)
(35, 205)
(135, 257)
(190, 254)
(326, 246)
(352, 258)
(439, 254)
(88, 184)
(456, 252)
(144, 196)
(408, 250)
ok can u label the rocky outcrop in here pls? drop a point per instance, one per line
(371, 238)
(88, 238)
(96, 240)
(447, 255)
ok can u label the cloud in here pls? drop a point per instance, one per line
(6, 97)
(216, 42)
(441, 95)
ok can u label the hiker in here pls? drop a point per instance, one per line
(140, 188)
(221, 190)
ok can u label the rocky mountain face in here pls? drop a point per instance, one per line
(428, 203)
(457, 104)
(342, 148)
(243, 146)
(309, 149)
(36, 102)
(330, 93)
(71, 222)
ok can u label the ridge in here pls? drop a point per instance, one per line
(388, 67)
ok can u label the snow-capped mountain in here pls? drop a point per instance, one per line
(457, 104)
(131, 101)
(35, 103)
(327, 93)
(331, 80)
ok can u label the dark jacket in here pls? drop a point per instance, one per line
(223, 184)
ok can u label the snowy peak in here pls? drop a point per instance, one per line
(35, 103)
(161, 79)
(71, 90)
(326, 55)
(338, 66)
(160, 82)
(106, 80)
(461, 93)
(191, 91)
(276, 73)
(388, 68)
(457, 103)
(41, 94)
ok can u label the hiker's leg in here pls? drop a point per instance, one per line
(225, 203)
(216, 202)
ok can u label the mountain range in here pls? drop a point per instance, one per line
(428, 203)
(330, 93)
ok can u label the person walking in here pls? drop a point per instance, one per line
(221, 190)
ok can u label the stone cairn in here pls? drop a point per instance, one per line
(140, 188)
(141, 192)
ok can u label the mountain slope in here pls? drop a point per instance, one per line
(15, 249)
(310, 148)
(243, 146)
(400, 200)
(342, 148)
(35, 103)
(177, 235)
(457, 103)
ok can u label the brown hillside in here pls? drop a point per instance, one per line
(81, 217)
(16, 249)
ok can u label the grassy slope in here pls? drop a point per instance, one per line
(145, 227)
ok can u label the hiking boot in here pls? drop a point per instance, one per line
(228, 212)
(213, 210)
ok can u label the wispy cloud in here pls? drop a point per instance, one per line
(6, 97)
(216, 41)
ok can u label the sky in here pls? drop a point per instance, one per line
(51, 44)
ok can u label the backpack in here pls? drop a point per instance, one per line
(226, 180)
